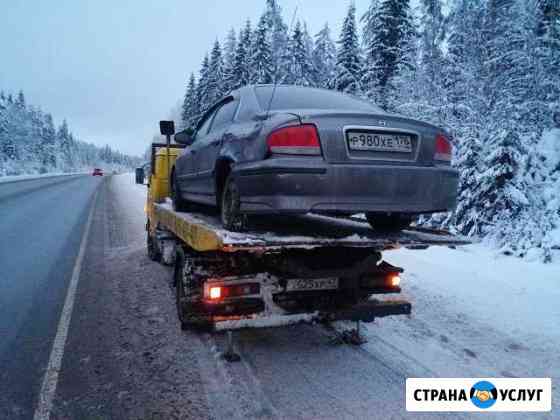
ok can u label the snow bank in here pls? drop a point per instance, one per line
(508, 293)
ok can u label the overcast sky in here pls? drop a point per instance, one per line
(113, 69)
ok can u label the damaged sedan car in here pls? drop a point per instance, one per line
(283, 149)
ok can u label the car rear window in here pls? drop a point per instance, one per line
(294, 97)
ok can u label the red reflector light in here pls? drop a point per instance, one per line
(219, 292)
(394, 280)
(215, 292)
(443, 148)
(297, 140)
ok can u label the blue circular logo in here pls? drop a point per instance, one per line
(483, 394)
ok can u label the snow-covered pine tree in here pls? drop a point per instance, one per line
(20, 100)
(466, 217)
(48, 138)
(216, 75)
(229, 60)
(190, 104)
(278, 38)
(463, 62)
(309, 47)
(410, 94)
(391, 46)
(3, 130)
(35, 148)
(430, 69)
(324, 58)
(536, 91)
(548, 32)
(261, 62)
(202, 88)
(7, 146)
(348, 57)
(371, 26)
(463, 107)
(300, 70)
(241, 68)
(500, 191)
(65, 147)
(19, 129)
(504, 194)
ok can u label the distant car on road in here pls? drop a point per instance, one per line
(97, 172)
(294, 150)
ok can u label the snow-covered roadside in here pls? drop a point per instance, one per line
(15, 178)
(507, 293)
(475, 314)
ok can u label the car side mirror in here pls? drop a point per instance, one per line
(167, 128)
(184, 137)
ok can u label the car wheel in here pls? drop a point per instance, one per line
(180, 299)
(232, 218)
(182, 276)
(391, 222)
(179, 203)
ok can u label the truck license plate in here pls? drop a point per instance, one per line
(311, 284)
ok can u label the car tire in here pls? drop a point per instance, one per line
(179, 203)
(388, 222)
(232, 218)
(188, 320)
(180, 291)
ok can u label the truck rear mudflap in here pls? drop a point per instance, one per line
(368, 311)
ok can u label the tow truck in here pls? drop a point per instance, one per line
(311, 268)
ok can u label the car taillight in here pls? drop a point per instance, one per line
(443, 149)
(297, 140)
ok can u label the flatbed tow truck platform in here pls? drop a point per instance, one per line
(203, 232)
(283, 270)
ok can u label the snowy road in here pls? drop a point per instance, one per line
(474, 315)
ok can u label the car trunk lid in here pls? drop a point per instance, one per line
(362, 138)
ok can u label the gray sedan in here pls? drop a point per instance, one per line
(293, 150)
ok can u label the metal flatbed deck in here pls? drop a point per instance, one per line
(204, 232)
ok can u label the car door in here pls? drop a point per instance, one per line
(186, 167)
(210, 149)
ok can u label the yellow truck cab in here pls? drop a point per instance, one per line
(158, 181)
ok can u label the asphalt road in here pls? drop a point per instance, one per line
(41, 225)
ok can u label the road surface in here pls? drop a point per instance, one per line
(126, 358)
(41, 225)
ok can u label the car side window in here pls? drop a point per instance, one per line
(203, 129)
(225, 114)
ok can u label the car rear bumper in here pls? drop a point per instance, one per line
(285, 185)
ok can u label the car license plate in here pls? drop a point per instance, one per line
(379, 142)
(311, 284)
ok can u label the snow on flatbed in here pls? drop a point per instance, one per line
(315, 230)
